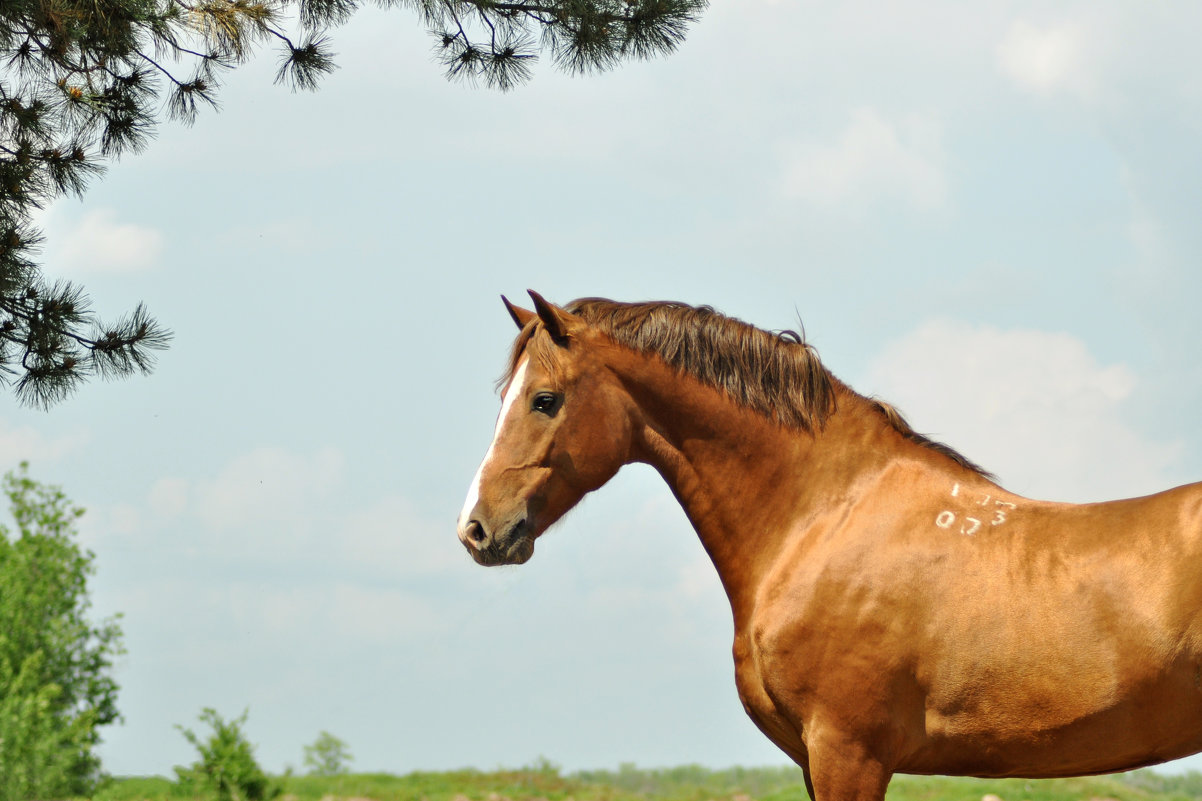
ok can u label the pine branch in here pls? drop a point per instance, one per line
(86, 81)
(582, 35)
(302, 67)
(46, 327)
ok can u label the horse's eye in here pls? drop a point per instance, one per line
(545, 402)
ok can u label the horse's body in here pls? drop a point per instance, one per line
(894, 609)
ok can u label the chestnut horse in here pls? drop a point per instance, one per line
(895, 610)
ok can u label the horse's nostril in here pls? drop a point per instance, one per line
(475, 532)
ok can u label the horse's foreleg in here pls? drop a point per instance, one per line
(805, 773)
(842, 769)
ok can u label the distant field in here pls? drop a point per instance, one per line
(690, 783)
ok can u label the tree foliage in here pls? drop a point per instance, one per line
(84, 81)
(327, 756)
(227, 768)
(56, 690)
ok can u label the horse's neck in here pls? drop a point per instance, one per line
(745, 482)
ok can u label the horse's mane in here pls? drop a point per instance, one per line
(777, 374)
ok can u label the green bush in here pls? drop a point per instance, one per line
(227, 766)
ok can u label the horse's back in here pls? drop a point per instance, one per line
(992, 635)
(1083, 651)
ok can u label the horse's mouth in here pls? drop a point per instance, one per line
(521, 550)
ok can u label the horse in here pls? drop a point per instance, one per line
(895, 609)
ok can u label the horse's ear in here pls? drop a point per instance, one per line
(520, 316)
(558, 322)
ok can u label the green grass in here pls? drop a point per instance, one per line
(543, 782)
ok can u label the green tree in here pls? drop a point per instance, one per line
(227, 767)
(56, 688)
(83, 81)
(327, 756)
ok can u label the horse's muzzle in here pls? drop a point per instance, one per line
(513, 547)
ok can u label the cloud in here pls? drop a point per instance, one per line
(234, 615)
(1049, 59)
(271, 505)
(266, 490)
(25, 443)
(633, 550)
(262, 504)
(1035, 407)
(343, 611)
(391, 537)
(168, 498)
(98, 244)
(294, 235)
(874, 157)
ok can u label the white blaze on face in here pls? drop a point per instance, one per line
(515, 391)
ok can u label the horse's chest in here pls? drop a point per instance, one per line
(794, 665)
(774, 721)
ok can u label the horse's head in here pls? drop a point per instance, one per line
(564, 430)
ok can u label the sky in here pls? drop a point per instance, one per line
(983, 213)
